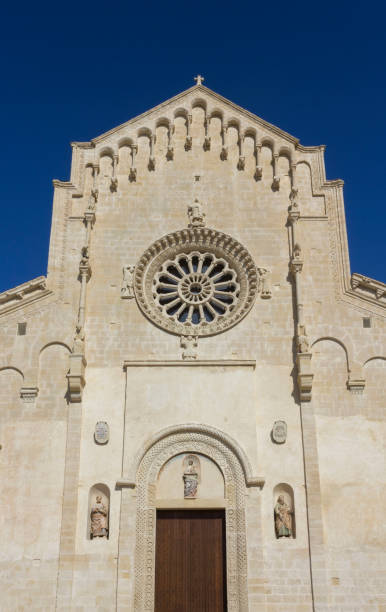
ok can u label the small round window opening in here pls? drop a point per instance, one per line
(196, 288)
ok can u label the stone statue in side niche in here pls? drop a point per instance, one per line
(265, 283)
(283, 518)
(191, 476)
(127, 289)
(195, 214)
(99, 519)
(303, 343)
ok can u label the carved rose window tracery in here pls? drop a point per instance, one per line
(196, 288)
(196, 281)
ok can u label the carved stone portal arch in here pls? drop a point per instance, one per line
(203, 442)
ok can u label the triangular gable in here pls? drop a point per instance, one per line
(205, 92)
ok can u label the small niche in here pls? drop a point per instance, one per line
(190, 476)
(284, 512)
(366, 322)
(98, 519)
(21, 329)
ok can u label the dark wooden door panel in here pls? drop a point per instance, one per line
(190, 561)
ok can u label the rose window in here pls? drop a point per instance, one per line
(196, 288)
(196, 281)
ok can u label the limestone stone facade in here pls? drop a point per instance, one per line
(198, 301)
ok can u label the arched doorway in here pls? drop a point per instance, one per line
(235, 468)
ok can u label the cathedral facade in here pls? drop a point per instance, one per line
(193, 399)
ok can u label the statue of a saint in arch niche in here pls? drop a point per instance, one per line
(283, 518)
(191, 476)
(99, 519)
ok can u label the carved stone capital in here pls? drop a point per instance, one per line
(75, 377)
(85, 270)
(305, 376)
(28, 394)
(355, 385)
(89, 217)
(296, 265)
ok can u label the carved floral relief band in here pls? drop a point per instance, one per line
(196, 281)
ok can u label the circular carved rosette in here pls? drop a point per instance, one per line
(195, 282)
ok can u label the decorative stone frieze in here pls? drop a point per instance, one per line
(196, 281)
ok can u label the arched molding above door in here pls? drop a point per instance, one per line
(216, 435)
(234, 465)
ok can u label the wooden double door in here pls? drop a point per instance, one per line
(190, 571)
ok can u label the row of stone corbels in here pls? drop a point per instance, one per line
(243, 133)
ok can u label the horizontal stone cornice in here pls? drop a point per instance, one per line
(251, 363)
(367, 289)
(24, 294)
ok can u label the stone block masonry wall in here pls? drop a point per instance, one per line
(33, 437)
(139, 179)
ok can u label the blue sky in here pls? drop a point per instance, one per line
(71, 71)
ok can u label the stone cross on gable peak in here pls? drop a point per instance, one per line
(199, 79)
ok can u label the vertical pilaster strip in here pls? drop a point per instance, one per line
(126, 547)
(69, 510)
(314, 509)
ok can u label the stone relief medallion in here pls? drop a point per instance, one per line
(279, 432)
(196, 282)
(102, 432)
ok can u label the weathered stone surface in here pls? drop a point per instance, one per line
(259, 198)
